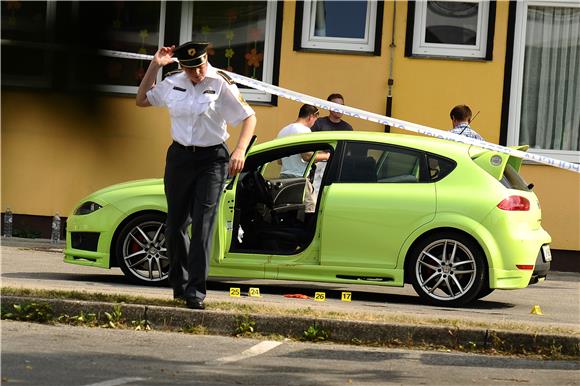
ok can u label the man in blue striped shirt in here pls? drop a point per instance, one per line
(461, 118)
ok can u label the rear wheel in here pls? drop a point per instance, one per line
(141, 249)
(484, 292)
(448, 269)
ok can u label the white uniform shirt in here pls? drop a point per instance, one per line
(293, 165)
(200, 113)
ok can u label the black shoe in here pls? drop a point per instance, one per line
(195, 303)
(178, 296)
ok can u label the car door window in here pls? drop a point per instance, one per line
(376, 163)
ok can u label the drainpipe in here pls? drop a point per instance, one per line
(391, 81)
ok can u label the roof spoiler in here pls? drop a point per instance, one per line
(495, 162)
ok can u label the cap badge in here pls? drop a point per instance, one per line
(191, 51)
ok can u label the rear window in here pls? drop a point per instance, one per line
(512, 180)
(439, 167)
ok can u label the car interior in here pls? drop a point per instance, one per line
(270, 211)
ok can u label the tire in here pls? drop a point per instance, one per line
(448, 269)
(141, 251)
(484, 292)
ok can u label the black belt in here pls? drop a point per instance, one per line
(194, 148)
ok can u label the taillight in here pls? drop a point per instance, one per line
(514, 203)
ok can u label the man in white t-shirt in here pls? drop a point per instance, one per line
(295, 165)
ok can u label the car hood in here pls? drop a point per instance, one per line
(107, 194)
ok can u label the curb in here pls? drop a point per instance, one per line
(339, 331)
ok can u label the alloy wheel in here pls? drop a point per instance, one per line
(144, 252)
(446, 270)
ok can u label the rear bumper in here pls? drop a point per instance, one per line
(541, 268)
(517, 247)
(520, 278)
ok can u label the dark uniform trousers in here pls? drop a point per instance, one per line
(194, 178)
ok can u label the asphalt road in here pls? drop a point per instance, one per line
(558, 297)
(34, 354)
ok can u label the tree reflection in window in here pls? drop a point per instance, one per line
(236, 33)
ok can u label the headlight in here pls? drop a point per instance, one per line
(87, 208)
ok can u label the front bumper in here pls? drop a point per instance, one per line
(89, 237)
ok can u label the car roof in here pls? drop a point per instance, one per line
(425, 143)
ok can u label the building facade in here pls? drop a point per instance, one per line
(69, 78)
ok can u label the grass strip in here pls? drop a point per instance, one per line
(237, 308)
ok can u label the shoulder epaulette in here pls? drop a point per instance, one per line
(170, 73)
(226, 77)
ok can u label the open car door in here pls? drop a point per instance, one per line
(224, 263)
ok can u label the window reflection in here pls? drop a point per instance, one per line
(236, 32)
(451, 22)
(341, 19)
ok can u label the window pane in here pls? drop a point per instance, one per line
(236, 31)
(451, 22)
(23, 61)
(130, 27)
(439, 167)
(550, 117)
(119, 71)
(512, 180)
(375, 163)
(24, 24)
(24, 21)
(341, 19)
(397, 164)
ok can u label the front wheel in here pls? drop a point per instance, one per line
(448, 269)
(141, 249)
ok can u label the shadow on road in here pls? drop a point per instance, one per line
(332, 291)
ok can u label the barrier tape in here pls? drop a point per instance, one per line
(377, 118)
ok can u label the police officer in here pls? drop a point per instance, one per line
(201, 101)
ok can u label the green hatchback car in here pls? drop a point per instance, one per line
(455, 221)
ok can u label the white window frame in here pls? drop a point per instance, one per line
(249, 94)
(129, 55)
(515, 103)
(44, 79)
(311, 41)
(422, 48)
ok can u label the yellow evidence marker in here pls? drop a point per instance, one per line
(320, 296)
(235, 292)
(346, 297)
(254, 292)
(536, 310)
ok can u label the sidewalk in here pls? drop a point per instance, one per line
(32, 243)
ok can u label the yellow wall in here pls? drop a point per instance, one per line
(54, 152)
(559, 194)
(427, 89)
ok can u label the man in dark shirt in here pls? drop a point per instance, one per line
(333, 122)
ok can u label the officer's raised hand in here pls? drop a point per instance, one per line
(164, 56)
